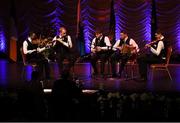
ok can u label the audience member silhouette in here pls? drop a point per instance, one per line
(65, 98)
(31, 100)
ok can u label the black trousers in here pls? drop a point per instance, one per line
(117, 56)
(42, 63)
(60, 58)
(146, 59)
(103, 56)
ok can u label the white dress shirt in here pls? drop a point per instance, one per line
(159, 48)
(131, 42)
(25, 47)
(106, 41)
(67, 44)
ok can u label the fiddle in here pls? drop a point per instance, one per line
(128, 49)
(151, 43)
(44, 42)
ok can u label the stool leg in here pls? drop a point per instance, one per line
(90, 71)
(169, 73)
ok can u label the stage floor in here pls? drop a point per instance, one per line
(10, 77)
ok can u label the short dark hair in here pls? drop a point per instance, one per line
(124, 32)
(33, 34)
(159, 32)
(98, 30)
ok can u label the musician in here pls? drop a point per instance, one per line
(99, 50)
(157, 55)
(62, 47)
(34, 54)
(125, 40)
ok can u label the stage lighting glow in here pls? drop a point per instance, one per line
(47, 90)
(143, 22)
(2, 41)
(3, 71)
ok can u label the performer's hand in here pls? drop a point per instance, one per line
(60, 40)
(119, 48)
(48, 46)
(98, 49)
(38, 50)
(93, 50)
(147, 46)
(134, 51)
(132, 47)
(32, 51)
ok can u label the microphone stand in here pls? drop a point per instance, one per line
(108, 61)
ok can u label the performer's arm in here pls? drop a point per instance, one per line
(93, 45)
(159, 48)
(69, 42)
(41, 49)
(134, 44)
(115, 47)
(25, 50)
(108, 44)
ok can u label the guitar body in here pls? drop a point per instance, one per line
(127, 49)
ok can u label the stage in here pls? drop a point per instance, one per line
(11, 78)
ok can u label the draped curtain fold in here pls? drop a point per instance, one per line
(134, 16)
(45, 16)
(4, 19)
(95, 14)
(168, 21)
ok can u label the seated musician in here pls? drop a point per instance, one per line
(34, 55)
(62, 47)
(123, 49)
(157, 55)
(99, 50)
